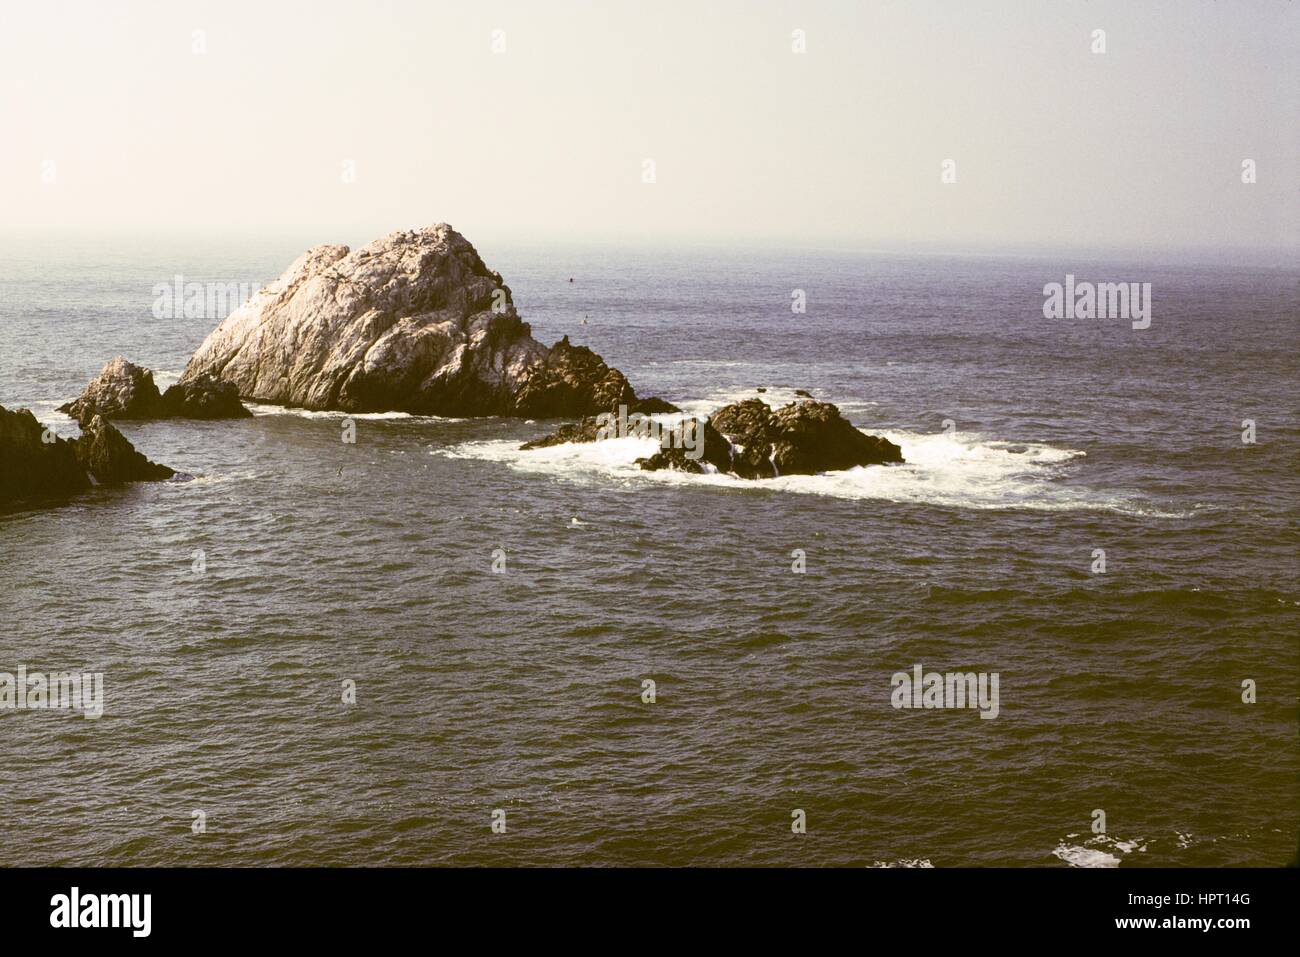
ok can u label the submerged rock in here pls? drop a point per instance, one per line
(413, 322)
(124, 390)
(35, 463)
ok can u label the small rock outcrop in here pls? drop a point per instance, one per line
(575, 377)
(30, 466)
(752, 440)
(572, 377)
(106, 454)
(413, 322)
(802, 438)
(653, 405)
(124, 390)
(35, 464)
(203, 397)
(586, 429)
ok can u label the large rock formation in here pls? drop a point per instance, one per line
(35, 464)
(751, 440)
(124, 390)
(413, 322)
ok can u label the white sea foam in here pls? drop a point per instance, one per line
(1077, 856)
(922, 862)
(962, 470)
(1099, 851)
(259, 408)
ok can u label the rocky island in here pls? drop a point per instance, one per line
(750, 440)
(413, 322)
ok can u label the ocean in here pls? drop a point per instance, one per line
(1033, 446)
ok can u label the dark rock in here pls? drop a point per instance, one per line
(122, 390)
(715, 450)
(36, 465)
(611, 425)
(749, 439)
(803, 394)
(106, 454)
(748, 424)
(802, 438)
(586, 430)
(31, 467)
(203, 397)
(572, 379)
(653, 406)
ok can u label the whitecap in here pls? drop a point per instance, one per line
(1100, 851)
(923, 862)
(260, 409)
(953, 469)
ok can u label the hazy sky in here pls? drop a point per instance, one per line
(1053, 144)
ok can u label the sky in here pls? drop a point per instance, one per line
(535, 120)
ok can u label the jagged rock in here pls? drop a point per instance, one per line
(653, 405)
(122, 390)
(412, 322)
(592, 427)
(802, 438)
(34, 465)
(716, 450)
(572, 377)
(106, 454)
(585, 430)
(203, 397)
(31, 467)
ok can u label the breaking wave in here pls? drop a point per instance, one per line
(260, 408)
(961, 470)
